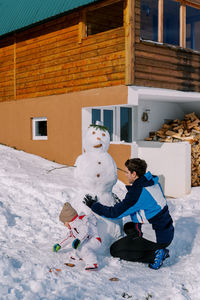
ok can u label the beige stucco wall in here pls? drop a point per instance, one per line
(120, 153)
(64, 122)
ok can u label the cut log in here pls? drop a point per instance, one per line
(187, 130)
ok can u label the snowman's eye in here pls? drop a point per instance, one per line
(103, 134)
(93, 132)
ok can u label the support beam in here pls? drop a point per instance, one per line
(194, 3)
(101, 4)
(82, 27)
(129, 24)
(183, 26)
(160, 21)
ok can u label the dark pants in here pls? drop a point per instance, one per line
(134, 247)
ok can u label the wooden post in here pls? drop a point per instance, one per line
(82, 26)
(14, 67)
(183, 25)
(129, 23)
(160, 21)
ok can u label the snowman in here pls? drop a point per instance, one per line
(96, 173)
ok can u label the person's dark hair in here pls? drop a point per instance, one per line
(136, 164)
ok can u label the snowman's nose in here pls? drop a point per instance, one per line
(98, 138)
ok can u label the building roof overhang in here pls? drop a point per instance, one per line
(20, 14)
(137, 93)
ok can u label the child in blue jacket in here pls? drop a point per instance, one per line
(144, 202)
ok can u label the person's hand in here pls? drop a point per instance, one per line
(76, 243)
(89, 201)
(56, 248)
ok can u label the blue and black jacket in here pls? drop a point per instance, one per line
(144, 202)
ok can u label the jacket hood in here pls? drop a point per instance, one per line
(149, 177)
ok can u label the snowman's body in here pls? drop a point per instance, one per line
(96, 174)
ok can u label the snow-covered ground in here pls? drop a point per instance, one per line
(30, 201)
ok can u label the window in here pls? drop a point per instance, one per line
(104, 18)
(39, 128)
(108, 121)
(149, 20)
(192, 28)
(171, 22)
(96, 115)
(126, 124)
(106, 116)
(118, 120)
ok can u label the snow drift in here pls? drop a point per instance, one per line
(31, 198)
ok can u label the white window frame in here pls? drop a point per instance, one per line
(114, 119)
(34, 136)
(87, 120)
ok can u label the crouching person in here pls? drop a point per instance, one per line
(82, 236)
(144, 202)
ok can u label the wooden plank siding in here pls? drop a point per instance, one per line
(57, 57)
(7, 69)
(164, 66)
(51, 60)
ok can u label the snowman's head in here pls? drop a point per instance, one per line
(97, 139)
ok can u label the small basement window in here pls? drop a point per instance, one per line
(104, 18)
(39, 128)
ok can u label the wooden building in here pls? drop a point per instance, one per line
(63, 67)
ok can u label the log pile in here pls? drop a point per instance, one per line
(186, 130)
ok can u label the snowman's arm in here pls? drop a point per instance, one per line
(116, 198)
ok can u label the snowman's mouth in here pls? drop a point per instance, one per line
(98, 146)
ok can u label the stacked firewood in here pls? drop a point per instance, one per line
(182, 131)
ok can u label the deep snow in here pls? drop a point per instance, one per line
(30, 201)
